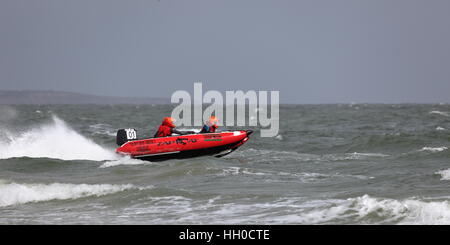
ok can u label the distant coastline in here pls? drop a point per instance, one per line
(35, 97)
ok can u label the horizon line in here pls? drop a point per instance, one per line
(168, 98)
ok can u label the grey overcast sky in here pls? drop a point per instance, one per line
(312, 51)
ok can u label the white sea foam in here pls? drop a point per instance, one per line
(445, 174)
(434, 149)
(408, 211)
(442, 113)
(53, 140)
(126, 160)
(361, 210)
(240, 171)
(290, 210)
(279, 137)
(15, 193)
(368, 154)
(370, 210)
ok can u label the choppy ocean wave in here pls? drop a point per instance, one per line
(273, 156)
(16, 193)
(295, 210)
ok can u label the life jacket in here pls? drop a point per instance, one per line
(209, 129)
(213, 128)
(212, 124)
(165, 129)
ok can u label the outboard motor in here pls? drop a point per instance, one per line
(125, 135)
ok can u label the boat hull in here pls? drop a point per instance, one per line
(185, 146)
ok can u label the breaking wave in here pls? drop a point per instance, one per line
(15, 193)
(53, 140)
(360, 210)
(368, 209)
(445, 174)
(434, 149)
(442, 113)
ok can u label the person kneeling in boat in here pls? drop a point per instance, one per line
(210, 126)
(167, 128)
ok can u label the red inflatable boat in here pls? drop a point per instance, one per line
(182, 146)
